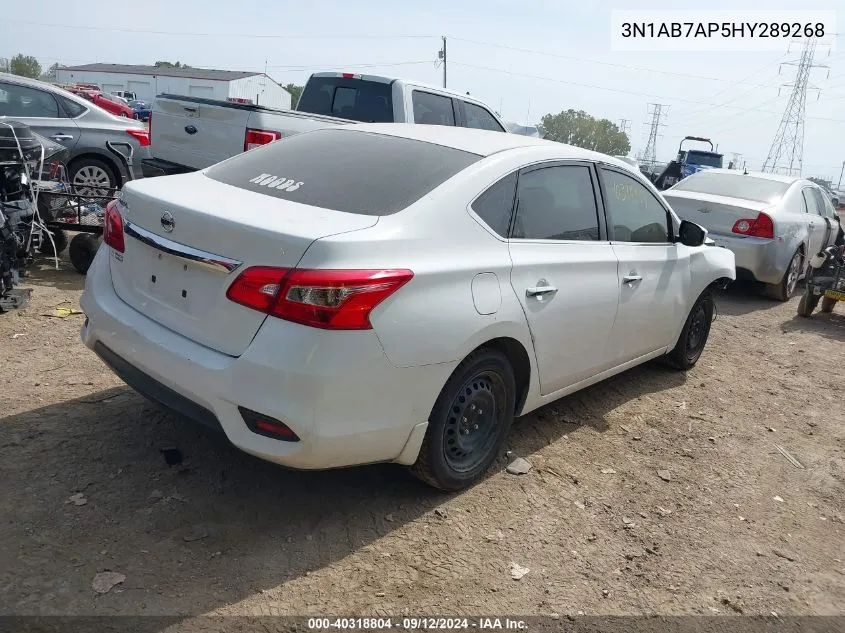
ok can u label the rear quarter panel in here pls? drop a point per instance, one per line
(791, 230)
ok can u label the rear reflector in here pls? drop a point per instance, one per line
(327, 299)
(142, 136)
(113, 227)
(761, 226)
(267, 426)
(257, 138)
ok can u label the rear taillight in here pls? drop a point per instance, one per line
(761, 226)
(351, 75)
(256, 138)
(113, 227)
(328, 299)
(142, 136)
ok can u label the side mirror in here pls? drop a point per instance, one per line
(691, 234)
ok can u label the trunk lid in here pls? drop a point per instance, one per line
(179, 277)
(717, 214)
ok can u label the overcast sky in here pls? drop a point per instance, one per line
(573, 66)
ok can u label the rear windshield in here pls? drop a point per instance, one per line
(355, 99)
(734, 186)
(344, 170)
(704, 158)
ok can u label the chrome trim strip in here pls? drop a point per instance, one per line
(204, 258)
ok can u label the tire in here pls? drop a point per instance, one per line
(784, 290)
(59, 239)
(828, 304)
(82, 250)
(694, 336)
(124, 115)
(461, 441)
(807, 304)
(92, 177)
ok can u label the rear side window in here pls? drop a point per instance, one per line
(480, 119)
(814, 203)
(556, 203)
(495, 205)
(354, 99)
(432, 109)
(344, 170)
(633, 212)
(71, 108)
(24, 101)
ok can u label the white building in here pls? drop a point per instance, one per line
(148, 81)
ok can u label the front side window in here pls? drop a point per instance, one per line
(556, 203)
(432, 109)
(23, 101)
(633, 212)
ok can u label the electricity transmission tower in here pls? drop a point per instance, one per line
(625, 126)
(787, 150)
(657, 111)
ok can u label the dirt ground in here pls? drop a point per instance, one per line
(731, 526)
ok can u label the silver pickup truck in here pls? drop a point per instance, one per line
(190, 133)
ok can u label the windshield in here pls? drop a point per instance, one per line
(355, 99)
(704, 158)
(344, 170)
(734, 186)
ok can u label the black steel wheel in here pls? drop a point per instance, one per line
(83, 248)
(694, 336)
(469, 422)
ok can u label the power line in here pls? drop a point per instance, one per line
(600, 63)
(629, 92)
(332, 36)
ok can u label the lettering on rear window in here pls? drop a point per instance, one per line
(277, 182)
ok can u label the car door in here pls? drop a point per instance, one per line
(817, 226)
(653, 271)
(564, 271)
(824, 203)
(40, 110)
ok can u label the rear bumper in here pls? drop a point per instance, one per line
(158, 167)
(757, 258)
(336, 390)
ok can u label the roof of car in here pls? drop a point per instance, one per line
(764, 175)
(481, 142)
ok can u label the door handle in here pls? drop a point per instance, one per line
(62, 137)
(539, 291)
(631, 279)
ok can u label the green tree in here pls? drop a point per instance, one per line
(50, 74)
(166, 64)
(25, 66)
(576, 127)
(295, 92)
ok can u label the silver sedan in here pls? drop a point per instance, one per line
(80, 126)
(772, 223)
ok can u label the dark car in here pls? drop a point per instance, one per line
(142, 109)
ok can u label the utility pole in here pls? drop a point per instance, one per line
(657, 111)
(441, 55)
(839, 186)
(787, 149)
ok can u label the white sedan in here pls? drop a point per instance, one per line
(393, 292)
(772, 223)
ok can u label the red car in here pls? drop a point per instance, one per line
(108, 102)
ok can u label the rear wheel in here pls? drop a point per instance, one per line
(92, 177)
(808, 303)
(694, 336)
(82, 250)
(468, 423)
(784, 290)
(827, 304)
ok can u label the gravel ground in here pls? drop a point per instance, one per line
(652, 492)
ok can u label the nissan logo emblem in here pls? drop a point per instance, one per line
(167, 222)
